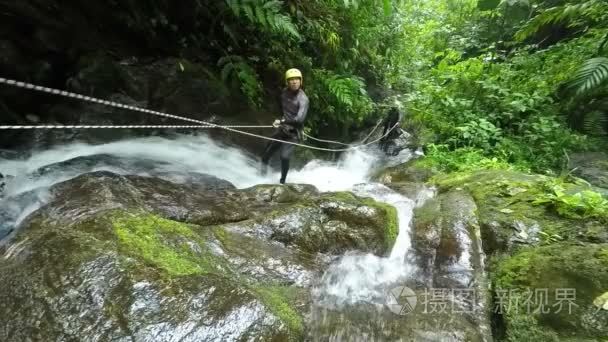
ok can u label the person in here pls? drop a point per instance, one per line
(1, 184)
(393, 118)
(294, 103)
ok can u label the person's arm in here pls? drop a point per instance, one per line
(302, 112)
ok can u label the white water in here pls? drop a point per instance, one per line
(353, 278)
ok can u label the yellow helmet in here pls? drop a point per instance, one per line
(291, 73)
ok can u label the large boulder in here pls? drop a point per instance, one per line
(410, 171)
(511, 213)
(551, 293)
(546, 240)
(132, 257)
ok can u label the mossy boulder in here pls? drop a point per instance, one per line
(549, 293)
(144, 258)
(537, 251)
(411, 171)
(508, 216)
(330, 223)
(135, 275)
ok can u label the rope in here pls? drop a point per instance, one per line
(373, 130)
(148, 111)
(112, 126)
(326, 141)
(341, 143)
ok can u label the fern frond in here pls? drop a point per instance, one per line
(236, 67)
(234, 5)
(266, 14)
(592, 74)
(282, 23)
(558, 14)
(595, 123)
(260, 15)
(249, 12)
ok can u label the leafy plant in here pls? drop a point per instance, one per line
(266, 14)
(580, 205)
(443, 159)
(590, 76)
(571, 14)
(478, 133)
(343, 97)
(235, 68)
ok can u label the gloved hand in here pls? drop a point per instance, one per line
(276, 123)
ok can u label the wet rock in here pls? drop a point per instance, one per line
(549, 292)
(331, 223)
(145, 258)
(508, 216)
(135, 276)
(449, 252)
(591, 166)
(413, 315)
(538, 254)
(410, 171)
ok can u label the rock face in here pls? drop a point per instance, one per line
(125, 258)
(451, 262)
(592, 167)
(548, 293)
(547, 252)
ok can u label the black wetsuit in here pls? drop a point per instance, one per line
(1, 183)
(295, 107)
(394, 117)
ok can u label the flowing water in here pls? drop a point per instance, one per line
(352, 279)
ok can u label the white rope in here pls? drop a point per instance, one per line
(341, 143)
(326, 141)
(148, 111)
(111, 126)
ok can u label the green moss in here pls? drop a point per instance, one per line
(454, 179)
(582, 269)
(344, 196)
(169, 245)
(524, 328)
(388, 213)
(602, 254)
(391, 227)
(277, 299)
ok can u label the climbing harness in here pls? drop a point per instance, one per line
(201, 124)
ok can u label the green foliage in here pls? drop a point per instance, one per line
(343, 98)
(265, 14)
(441, 158)
(571, 14)
(591, 75)
(480, 133)
(585, 204)
(469, 78)
(507, 109)
(236, 68)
